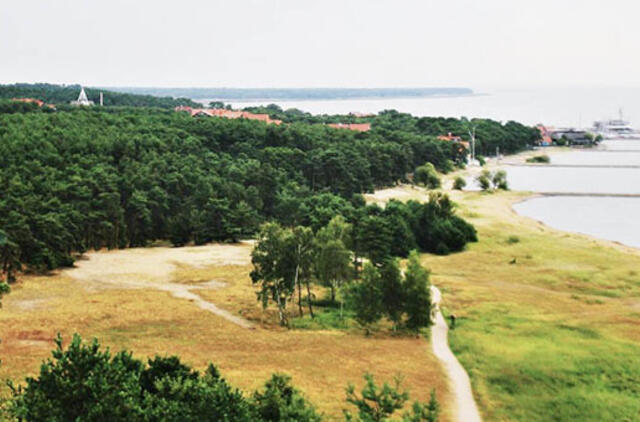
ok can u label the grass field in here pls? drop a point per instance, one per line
(113, 296)
(548, 322)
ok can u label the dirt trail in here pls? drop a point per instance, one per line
(465, 409)
(152, 268)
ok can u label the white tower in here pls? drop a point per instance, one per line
(82, 99)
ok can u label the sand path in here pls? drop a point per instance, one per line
(152, 268)
(466, 409)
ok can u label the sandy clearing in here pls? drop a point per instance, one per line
(154, 264)
(152, 268)
(466, 409)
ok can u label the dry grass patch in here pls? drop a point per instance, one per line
(106, 302)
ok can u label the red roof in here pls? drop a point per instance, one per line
(450, 137)
(228, 114)
(359, 127)
(29, 100)
(546, 135)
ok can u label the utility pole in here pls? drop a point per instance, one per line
(472, 136)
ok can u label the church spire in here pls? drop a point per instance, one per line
(82, 99)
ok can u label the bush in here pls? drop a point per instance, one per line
(459, 183)
(280, 401)
(379, 403)
(481, 160)
(499, 180)
(88, 384)
(513, 239)
(484, 180)
(539, 159)
(427, 176)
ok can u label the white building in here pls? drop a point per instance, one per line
(82, 99)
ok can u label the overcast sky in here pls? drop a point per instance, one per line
(323, 43)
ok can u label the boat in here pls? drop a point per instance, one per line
(615, 129)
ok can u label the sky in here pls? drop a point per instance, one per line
(323, 43)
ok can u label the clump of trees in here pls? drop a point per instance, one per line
(496, 179)
(404, 298)
(84, 382)
(287, 260)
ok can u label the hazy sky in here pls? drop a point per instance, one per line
(299, 43)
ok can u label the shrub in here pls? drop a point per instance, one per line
(379, 403)
(427, 175)
(88, 384)
(481, 160)
(539, 159)
(499, 180)
(513, 239)
(459, 183)
(280, 401)
(484, 181)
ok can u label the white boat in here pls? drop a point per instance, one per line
(615, 129)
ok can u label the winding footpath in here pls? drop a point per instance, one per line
(466, 409)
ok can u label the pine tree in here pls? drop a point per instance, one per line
(417, 292)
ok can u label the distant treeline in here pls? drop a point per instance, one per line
(246, 94)
(509, 138)
(63, 94)
(118, 177)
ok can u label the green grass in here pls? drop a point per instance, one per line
(541, 370)
(548, 327)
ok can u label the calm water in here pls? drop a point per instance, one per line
(616, 219)
(577, 107)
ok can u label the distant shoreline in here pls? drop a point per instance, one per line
(280, 100)
(296, 94)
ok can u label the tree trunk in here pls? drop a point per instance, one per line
(355, 265)
(299, 285)
(280, 309)
(333, 291)
(309, 298)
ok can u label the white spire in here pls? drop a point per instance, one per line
(83, 96)
(82, 99)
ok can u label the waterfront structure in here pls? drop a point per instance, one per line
(615, 129)
(545, 136)
(82, 99)
(573, 136)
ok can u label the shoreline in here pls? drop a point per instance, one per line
(519, 159)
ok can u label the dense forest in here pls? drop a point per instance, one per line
(510, 137)
(115, 177)
(118, 177)
(63, 94)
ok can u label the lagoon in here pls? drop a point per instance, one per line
(610, 218)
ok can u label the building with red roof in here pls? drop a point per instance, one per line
(358, 127)
(227, 114)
